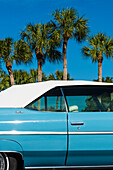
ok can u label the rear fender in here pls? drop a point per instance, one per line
(10, 146)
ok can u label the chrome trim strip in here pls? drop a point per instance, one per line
(14, 132)
(29, 121)
(92, 133)
(64, 167)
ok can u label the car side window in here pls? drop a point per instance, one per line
(52, 101)
(89, 98)
(81, 104)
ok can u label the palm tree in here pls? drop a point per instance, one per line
(98, 46)
(43, 43)
(69, 25)
(4, 80)
(6, 47)
(22, 52)
(23, 77)
(33, 76)
(20, 77)
(14, 51)
(106, 79)
(58, 76)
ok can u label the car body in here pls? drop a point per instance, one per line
(56, 124)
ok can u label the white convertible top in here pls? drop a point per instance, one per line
(18, 96)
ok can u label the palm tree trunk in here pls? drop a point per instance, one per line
(39, 77)
(39, 56)
(9, 68)
(39, 70)
(65, 59)
(100, 60)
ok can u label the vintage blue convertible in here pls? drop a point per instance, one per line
(56, 124)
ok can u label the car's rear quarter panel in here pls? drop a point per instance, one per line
(37, 149)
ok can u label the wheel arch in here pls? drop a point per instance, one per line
(12, 149)
(10, 145)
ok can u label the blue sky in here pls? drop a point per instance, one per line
(16, 14)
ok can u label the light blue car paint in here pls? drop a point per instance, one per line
(90, 149)
(10, 146)
(50, 150)
(46, 150)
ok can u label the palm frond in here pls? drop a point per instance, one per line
(98, 44)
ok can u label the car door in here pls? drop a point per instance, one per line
(47, 146)
(90, 125)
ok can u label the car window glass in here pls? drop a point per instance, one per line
(89, 99)
(81, 104)
(51, 101)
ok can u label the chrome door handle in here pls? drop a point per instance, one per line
(77, 123)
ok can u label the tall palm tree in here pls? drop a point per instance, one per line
(43, 43)
(14, 51)
(6, 47)
(69, 25)
(98, 46)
